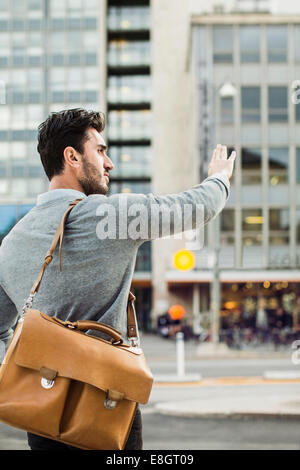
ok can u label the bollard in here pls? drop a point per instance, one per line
(180, 354)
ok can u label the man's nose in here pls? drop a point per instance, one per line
(108, 163)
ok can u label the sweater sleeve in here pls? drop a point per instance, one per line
(8, 318)
(147, 217)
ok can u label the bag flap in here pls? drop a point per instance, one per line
(76, 355)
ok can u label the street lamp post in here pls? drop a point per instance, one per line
(226, 91)
(215, 287)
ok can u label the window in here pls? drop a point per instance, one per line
(129, 125)
(143, 258)
(127, 187)
(252, 223)
(298, 227)
(278, 104)
(125, 18)
(8, 218)
(298, 165)
(279, 226)
(227, 111)
(227, 227)
(278, 166)
(223, 44)
(131, 161)
(297, 42)
(250, 44)
(251, 166)
(250, 100)
(277, 43)
(129, 89)
(4, 5)
(125, 53)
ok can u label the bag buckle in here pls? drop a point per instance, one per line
(112, 399)
(134, 342)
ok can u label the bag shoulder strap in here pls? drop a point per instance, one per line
(133, 334)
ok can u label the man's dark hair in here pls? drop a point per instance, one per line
(63, 129)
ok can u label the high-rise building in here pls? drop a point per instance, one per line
(59, 54)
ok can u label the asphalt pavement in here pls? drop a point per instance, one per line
(247, 392)
(221, 395)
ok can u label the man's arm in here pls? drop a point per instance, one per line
(8, 318)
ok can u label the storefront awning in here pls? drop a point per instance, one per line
(229, 276)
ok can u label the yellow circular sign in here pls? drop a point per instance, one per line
(184, 260)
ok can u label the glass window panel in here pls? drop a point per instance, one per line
(90, 40)
(251, 166)
(133, 18)
(4, 5)
(90, 23)
(18, 168)
(57, 41)
(90, 59)
(252, 223)
(227, 227)
(19, 135)
(4, 150)
(131, 161)
(278, 104)
(34, 39)
(35, 114)
(8, 218)
(91, 6)
(35, 4)
(18, 7)
(298, 226)
(129, 89)
(127, 187)
(57, 8)
(3, 169)
(3, 25)
(18, 117)
(35, 78)
(223, 43)
(129, 125)
(127, 53)
(277, 43)
(73, 41)
(279, 225)
(18, 150)
(278, 165)
(227, 111)
(298, 165)
(250, 104)
(297, 42)
(18, 25)
(250, 43)
(73, 80)
(35, 24)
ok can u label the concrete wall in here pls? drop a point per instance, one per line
(173, 158)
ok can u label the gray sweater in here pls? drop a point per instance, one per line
(97, 273)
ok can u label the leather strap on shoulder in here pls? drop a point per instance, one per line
(58, 238)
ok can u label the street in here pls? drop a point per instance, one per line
(232, 407)
(177, 433)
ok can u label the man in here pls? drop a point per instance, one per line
(97, 270)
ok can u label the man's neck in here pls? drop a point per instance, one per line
(60, 183)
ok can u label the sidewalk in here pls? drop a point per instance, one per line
(220, 397)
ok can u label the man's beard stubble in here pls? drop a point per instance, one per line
(91, 180)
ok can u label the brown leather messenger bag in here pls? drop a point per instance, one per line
(61, 383)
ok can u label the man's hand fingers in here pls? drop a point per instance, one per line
(232, 156)
(223, 152)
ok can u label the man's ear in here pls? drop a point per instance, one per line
(72, 158)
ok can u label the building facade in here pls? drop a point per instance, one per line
(243, 59)
(60, 54)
